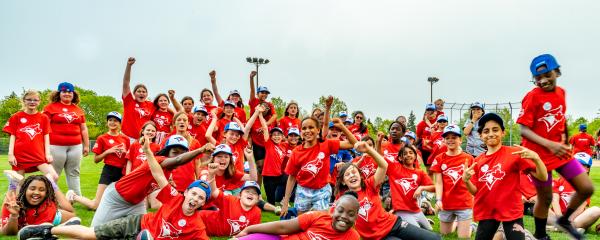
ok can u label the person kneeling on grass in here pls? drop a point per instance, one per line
(337, 224)
(38, 201)
(176, 218)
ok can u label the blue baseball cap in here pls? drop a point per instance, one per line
(65, 87)
(230, 103)
(343, 114)
(582, 127)
(411, 135)
(200, 109)
(234, 127)
(251, 184)
(262, 89)
(222, 148)
(477, 105)
(543, 60)
(583, 158)
(294, 131)
(349, 121)
(202, 185)
(114, 114)
(451, 129)
(442, 118)
(405, 140)
(173, 141)
(430, 107)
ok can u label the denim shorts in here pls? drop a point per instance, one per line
(312, 199)
(451, 215)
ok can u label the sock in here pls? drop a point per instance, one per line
(568, 213)
(540, 227)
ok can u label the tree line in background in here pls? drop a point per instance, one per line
(97, 106)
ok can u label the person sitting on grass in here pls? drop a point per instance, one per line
(176, 218)
(337, 224)
(38, 201)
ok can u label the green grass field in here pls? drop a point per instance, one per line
(90, 174)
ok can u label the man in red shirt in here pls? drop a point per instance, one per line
(582, 142)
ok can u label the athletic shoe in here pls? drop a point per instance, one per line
(72, 221)
(547, 237)
(42, 231)
(473, 227)
(431, 222)
(565, 225)
(14, 178)
(70, 195)
(144, 235)
(277, 210)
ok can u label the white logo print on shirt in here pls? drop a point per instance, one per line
(314, 166)
(491, 175)
(552, 116)
(365, 206)
(316, 236)
(32, 130)
(455, 173)
(167, 230)
(141, 111)
(69, 116)
(408, 184)
(236, 226)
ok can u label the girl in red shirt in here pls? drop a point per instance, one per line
(162, 116)
(227, 177)
(275, 153)
(453, 200)
(424, 129)
(206, 98)
(373, 221)
(234, 97)
(359, 128)
(111, 148)
(290, 118)
(69, 140)
(29, 140)
(335, 225)
(37, 201)
(494, 177)
(135, 155)
(309, 166)
(178, 217)
(219, 122)
(137, 110)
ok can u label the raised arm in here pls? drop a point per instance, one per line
(253, 173)
(173, 162)
(350, 139)
(212, 169)
(248, 127)
(326, 117)
(264, 126)
(215, 89)
(382, 165)
(155, 167)
(176, 104)
(252, 87)
(378, 142)
(127, 77)
(211, 129)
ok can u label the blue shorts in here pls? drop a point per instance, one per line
(308, 199)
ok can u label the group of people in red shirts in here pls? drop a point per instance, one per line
(201, 166)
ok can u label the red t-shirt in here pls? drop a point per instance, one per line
(136, 154)
(65, 122)
(526, 186)
(273, 159)
(310, 166)
(163, 120)
(582, 142)
(136, 185)
(423, 130)
(288, 149)
(219, 133)
(367, 166)
(199, 131)
(29, 131)
(237, 151)
(257, 136)
(45, 213)
(373, 222)
(355, 130)
(544, 113)
(437, 150)
(390, 151)
(231, 218)
(403, 183)
(497, 178)
(565, 192)
(240, 113)
(317, 225)
(135, 114)
(169, 222)
(455, 196)
(286, 122)
(107, 141)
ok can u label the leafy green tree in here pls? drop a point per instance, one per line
(337, 106)
(96, 107)
(279, 106)
(411, 124)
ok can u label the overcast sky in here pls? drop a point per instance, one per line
(374, 55)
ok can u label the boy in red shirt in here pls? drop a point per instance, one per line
(582, 142)
(177, 218)
(543, 128)
(424, 129)
(495, 181)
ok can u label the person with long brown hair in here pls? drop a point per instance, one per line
(136, 108)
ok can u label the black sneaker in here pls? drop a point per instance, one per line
(565, 225)
(547, 237)
(41, 231)
(72, 221)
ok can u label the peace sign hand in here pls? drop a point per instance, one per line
(526, 153)
(468, 171)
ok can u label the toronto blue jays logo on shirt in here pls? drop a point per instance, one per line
(69, 116)
(31, 130)
(491, 176)
(454, 173)
(316, 236)
(552, 116)
(314, 166)
(408, 184)
(365, 206)
(168, 230)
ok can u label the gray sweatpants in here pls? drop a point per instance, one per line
(113, 206)
(69, 159)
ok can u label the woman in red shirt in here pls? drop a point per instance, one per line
(135, 155)
(162, 116)
(67, 121)
(290, 118)
(359, 128)
(373, 221)
(137, 110)
(494, 177)
(38, 201)
(111, 148)
(29, 141)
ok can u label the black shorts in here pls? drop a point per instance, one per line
(425, 155)
(259, 152)
(110, 174)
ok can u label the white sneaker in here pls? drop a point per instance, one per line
(70, 195)
(14, 179)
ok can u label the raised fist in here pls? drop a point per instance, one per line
(130, 61)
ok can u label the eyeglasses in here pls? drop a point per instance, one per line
(32, 100)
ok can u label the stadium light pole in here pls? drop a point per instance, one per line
(432, 80)
(257, 62)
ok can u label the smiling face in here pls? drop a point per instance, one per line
(149, 131)
(492, 134)
(194, 198)
(66, 97)
(31, 101)
(277, 136)
(334, 133)
(199, 117)
(352, 178)
(546, 81)
(310, 130)
(188, 105)
(206, 97)
(140, 94)
(232, 137)
(223, 159)
(249, 197)
(358, 118)
(36, 193)
(113, 124)
(293, 139)
(344, 214)
(163, 103)
(262, 96)
(228, 110)
(452, 141)
(408, 156)
(235, 98)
